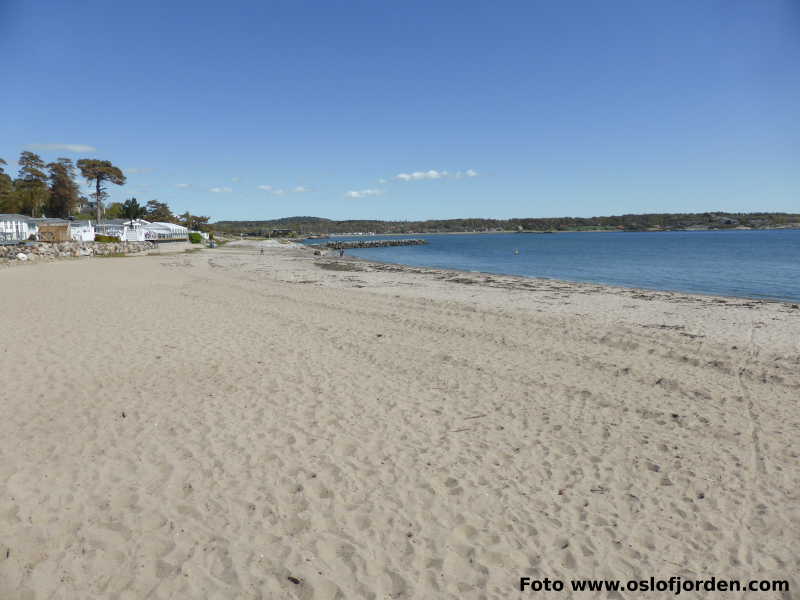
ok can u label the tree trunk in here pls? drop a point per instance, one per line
(97, 200)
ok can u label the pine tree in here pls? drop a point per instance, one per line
(159, 212)
(31, 186)
(132, 210)
(101, 172)
(8, 201)
(64, 190)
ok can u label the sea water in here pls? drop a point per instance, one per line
(744, 263)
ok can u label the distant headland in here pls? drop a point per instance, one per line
(642, 222)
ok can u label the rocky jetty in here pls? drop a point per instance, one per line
(42, 250)
(370, 244)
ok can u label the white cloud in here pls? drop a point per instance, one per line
(419, 175)
(282, 192)
(64, 147)
(363, 193)
(220, 190)
(183, 185)
(432, 174)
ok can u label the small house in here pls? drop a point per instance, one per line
(54, 230)
(16, 228)
(117, 228)
(122, 229)
(82, 231)
(165, 232)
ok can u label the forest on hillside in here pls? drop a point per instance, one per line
(644, 222)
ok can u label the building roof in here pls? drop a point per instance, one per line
(128, 222)
(15, 217)
(166, 225)
(46, 221)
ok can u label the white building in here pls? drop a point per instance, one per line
(62, 230)
(112, 227)
(135, 231)
(158, 232)
(82, 231)
(16, 228)
(140, 230)
(126, 231)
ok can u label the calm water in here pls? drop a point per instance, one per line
(753, 264)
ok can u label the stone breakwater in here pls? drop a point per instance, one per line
(370, 244)
(38, 251)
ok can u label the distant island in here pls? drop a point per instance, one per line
(644, 222)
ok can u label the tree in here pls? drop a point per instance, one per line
(200, 223)
(64, 190)
(194, 222)
(159, 212)
(31, 186)
(132, 210)
(101, 172)
(8, 201)
(84, 203)
(114, 211)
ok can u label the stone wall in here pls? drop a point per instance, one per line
(39, 250)
(369, 244)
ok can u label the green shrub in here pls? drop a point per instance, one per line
(195, 238)
(106, 238)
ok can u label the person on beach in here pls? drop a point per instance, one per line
(341, 252)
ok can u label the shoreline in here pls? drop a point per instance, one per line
(601, 285)
(522, 278)
(654, 308)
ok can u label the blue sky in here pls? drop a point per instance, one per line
(406, 110)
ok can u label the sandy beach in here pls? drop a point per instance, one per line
(231, 424)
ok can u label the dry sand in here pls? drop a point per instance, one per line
(211, 425)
